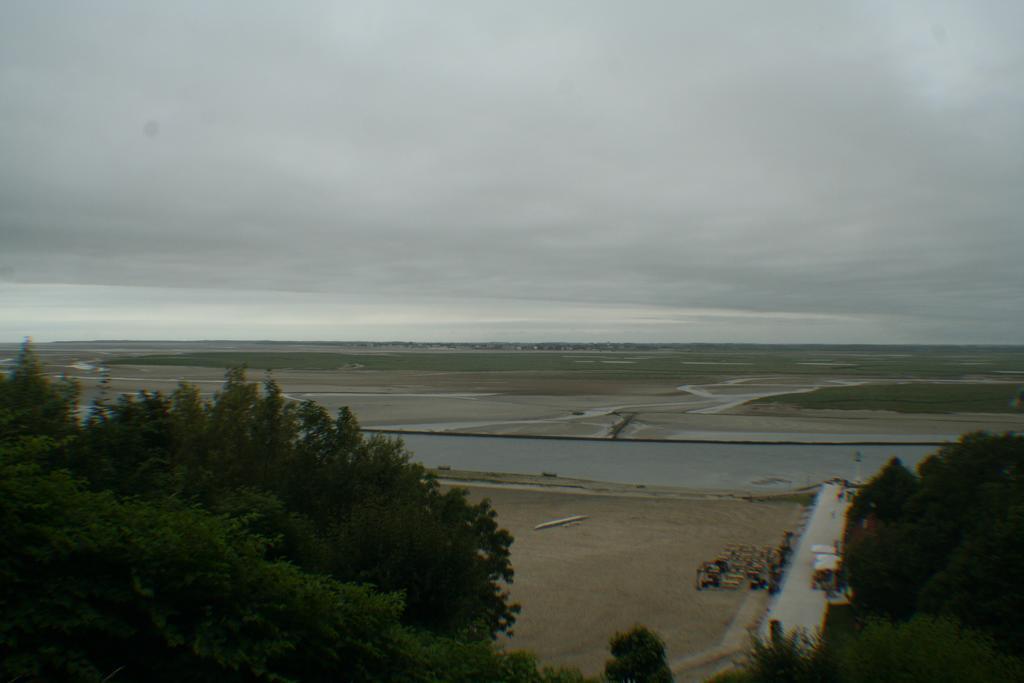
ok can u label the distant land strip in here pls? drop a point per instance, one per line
(424, 432)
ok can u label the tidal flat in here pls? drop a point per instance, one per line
(698, 392)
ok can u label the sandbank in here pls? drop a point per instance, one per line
(633, 560)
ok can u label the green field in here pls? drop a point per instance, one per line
(908, 398)
(686, 363)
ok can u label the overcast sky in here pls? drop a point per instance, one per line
(627, 171)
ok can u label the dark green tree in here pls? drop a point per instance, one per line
(886, 571)
(325, 497)
(953, 547)
(32, 406)
(795, 657)
(638, 656)
(175, 538)
(127, 446)
(91, 586)
(401, 533)
(885, 495)
(982, 583)
(925, 650)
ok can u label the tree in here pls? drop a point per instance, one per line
(981, 584)
(32, 406)
(185, 539)
(329, 499)
(94, 587)
(954, 545)
(925, 649)
(91, 586)
(885, 495)
(795, 657)
(127, 447)
(886, 570)
(400, 533)
(638, 657)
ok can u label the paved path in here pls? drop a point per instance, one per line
(798, 605)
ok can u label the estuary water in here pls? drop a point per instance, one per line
(712, 466)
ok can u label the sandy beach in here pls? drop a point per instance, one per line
(633, 560)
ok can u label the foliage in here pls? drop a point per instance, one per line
(884, 581)
(840, 623)
(886, 571)
(238, 538)
(443, 659)
(37, 406)
(794, 657)
(381, 519)
(953, 540)
(925, 649)
(732, 676)
(885, 495)
(982, 583)
(330, 500)
(638, 656)
(37, 415)
(90, 585)
(138, 431)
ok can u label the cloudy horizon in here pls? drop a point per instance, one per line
(469, 171)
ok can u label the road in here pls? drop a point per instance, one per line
(798, 605)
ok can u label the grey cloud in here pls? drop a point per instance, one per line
(807, 158)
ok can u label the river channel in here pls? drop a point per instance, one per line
(710, 466)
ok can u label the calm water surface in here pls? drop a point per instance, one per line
(691, 465)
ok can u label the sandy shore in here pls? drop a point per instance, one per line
(631, 561)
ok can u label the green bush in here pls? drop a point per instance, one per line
(638, 655)
(90, 585)
(926, 649)
(795, 657)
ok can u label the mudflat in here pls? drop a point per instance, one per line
(704, 395)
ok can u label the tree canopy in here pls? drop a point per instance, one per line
(331, 500)
(949, 541)
(638, 656)
(238, 537)
(92, 585)
(925, 649)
